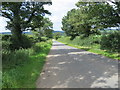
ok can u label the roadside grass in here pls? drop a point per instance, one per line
(25, 74)
(94, 48)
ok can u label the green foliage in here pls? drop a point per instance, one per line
(24, 43)
(23, 15)
(6, 37)
(44, 39)
(21, 68)
(6, 42)
(57, 35)
(89, 17)
(26, 14)
(38, 47)
(23, 61)
(90, 41)
(46, 29)
(10, 59)
(6, 45)
(34, 38)
(48, 33)
(92, 44)
(83, 41)
(111, 41)
(8, 79)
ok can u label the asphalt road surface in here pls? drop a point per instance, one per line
(69, 67)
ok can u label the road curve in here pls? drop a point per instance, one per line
(69, 67)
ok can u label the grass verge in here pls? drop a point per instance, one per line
(24, 75)
(91, 48)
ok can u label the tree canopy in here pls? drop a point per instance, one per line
(46, 29)
(89, 17)
(23, 16)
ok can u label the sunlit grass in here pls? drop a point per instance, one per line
(25, 75)
(95, 48)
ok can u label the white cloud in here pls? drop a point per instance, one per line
(3, 23)
(59, 8)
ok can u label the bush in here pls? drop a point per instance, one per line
(24, 43)
(79, 40)
(89, 41)
(6, 42)
(33, 38)
(40, 46)
(6, 37)
(11, 59)
(11, 43)
(57, 35)
(15, 58)
(36, 47)
(6, 45)
(111, 41)
(44, 39)
(22, 67)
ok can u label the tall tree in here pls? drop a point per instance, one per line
(116, 5)
(46, 29)
(21, 16)
(88, 18)
(68, 23)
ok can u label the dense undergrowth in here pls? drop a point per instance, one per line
(22, 67)
(96, 44)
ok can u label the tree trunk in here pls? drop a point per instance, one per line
(16, 37)
(16, 30)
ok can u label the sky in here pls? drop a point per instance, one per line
(3, 24)
(59, 8)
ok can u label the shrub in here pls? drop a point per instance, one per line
(22, 67)
(44, 39)
(79, 40)
(40, 46)
(36, 47)
(6, 45)
(11, 59)
(57, 35)
(6, 42)
(35, 39)
(12, 43)
(6, 37)
(111, 41)
(89, 41)
(24, 43)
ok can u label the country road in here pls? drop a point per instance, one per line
(69, 67)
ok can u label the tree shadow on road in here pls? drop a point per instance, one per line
(68, 67)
